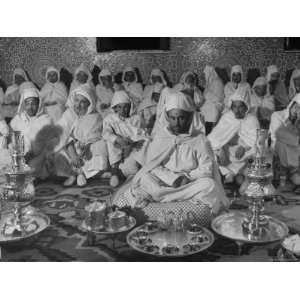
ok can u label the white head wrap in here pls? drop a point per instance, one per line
(30, 92)
(84, 69)
(178, 100)
(104, 72)
(21, 72)
(292, 88)
(236, 69)
(241, 94)
(210, 74)
(259, 81)
(86, 91)
(185, 75)
(158, 72)
(120, 97)
(129, 69)
(271, 70)
(52, 69)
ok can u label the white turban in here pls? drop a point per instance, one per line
(259, 81)
(120, 97)
(105, 72)
(271, 70)
(241, 94)
(157, 72)
(129, 69)
(52, 69)
(177, 100)
(21, 72)
(236, 69)
(30, 93)
(292, 88)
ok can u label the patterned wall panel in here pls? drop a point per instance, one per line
(35, 54)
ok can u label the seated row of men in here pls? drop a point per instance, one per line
(160, 139)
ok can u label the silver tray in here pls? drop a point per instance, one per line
(229, 225)
(37, 220)
(158, 240)
(107, 229)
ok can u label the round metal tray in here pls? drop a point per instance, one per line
(229, 225)
(35, 222)
(108, 230)
(161, 238)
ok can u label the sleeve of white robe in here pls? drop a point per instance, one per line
(204, 156)
(165, 175)
(1, 96)
(4, 129)
(135, 92)
(280, 132)
(108, 132)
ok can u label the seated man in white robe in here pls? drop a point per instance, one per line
(54, 94)
(122, 132)
(82, 75)
(104, 91)
(276, 88)
(5, 156)
(213, 98)
(294, 87)
(262, 105)
(285, 135)
(131, 85)
(11, 100)
(237, 81)
(179, 163)
(156, 76)
(4, 153)
(83, 152)
(188, 83)
(233, 138)
(40, 136)
(4, 133)
(147, 109)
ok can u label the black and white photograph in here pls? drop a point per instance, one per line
(149, 149)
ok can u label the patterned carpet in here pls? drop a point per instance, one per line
(64, 240)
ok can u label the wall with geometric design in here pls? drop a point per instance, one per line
(35, 54)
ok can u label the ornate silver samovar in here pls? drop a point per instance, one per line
(19, 188)
(253, 225)
(259, 178)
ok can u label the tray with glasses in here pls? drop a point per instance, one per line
(102, 219)
(156, 239)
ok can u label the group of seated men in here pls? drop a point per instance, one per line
(181, 142)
